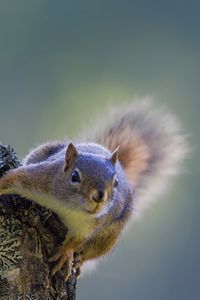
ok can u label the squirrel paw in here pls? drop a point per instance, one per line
(77, 263)
(65, 258)
(78, 260)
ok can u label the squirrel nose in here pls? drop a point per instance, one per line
(98, 196)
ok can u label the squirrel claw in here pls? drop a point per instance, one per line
(78, 260)
(65, 258)
(77, 263)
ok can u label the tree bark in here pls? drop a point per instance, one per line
(29, 234)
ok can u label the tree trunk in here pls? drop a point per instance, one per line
(29, 234)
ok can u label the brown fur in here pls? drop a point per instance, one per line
(133, 155)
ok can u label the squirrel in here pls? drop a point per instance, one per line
(96, 186)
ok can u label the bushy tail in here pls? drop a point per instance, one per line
(152, 147)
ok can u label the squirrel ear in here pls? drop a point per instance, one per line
(114, 156)
(70, 155)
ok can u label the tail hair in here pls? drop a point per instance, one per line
(152, 147)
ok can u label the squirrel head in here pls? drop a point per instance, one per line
(90, 178)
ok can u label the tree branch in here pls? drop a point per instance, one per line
(29, 234)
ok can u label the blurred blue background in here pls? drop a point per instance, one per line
(61, 63)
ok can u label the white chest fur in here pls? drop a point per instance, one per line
(77, 221)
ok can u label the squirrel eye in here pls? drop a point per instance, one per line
(75, 177)
(115, 184)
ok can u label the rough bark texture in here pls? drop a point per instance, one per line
(29, 234)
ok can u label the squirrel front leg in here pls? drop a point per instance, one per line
(9, 183)
(64, 256)
(27, 181)
(101, 243)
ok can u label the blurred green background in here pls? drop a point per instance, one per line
(61, 63)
